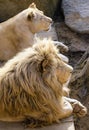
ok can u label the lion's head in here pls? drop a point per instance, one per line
(33, 80)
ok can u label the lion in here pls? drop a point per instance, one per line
(32, 87)
(18, 32)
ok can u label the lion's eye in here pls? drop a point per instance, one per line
(59, 64)
(41, 18)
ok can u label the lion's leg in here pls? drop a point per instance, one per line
(66, 110)
(62, 47)
(78, 108)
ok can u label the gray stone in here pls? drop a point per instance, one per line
(67, 124)
(77, 14)
(9, 8)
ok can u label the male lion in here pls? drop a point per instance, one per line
(32, 86)
(18, 32)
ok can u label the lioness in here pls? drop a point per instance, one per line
(18, 32)
(32, 87)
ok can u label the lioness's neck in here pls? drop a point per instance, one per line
(20, 33)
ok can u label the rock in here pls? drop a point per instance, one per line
(9, 8)
(66, 123)
(75, 41)
(76, 14)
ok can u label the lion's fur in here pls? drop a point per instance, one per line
(18, 32)
(29, 86)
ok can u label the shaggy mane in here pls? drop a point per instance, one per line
(28, 85)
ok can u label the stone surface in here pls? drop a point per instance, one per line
(77, 14)
(9, 8)
(75, 41)
(67, 124)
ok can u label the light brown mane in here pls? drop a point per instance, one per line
(24, 83)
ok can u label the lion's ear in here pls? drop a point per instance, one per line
(33, 5)
(30, 16)
(44, 64)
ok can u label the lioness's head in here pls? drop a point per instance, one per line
(35, 19)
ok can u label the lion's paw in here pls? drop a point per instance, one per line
(79, 109)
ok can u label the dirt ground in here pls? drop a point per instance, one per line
(77, 44)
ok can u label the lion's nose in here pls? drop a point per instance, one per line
(69, 68)
(50, 20)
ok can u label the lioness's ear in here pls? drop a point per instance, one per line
(44, 65)
(30, 16)
(33, 5)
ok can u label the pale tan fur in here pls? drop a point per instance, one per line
(31, 86)
(18, 32)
